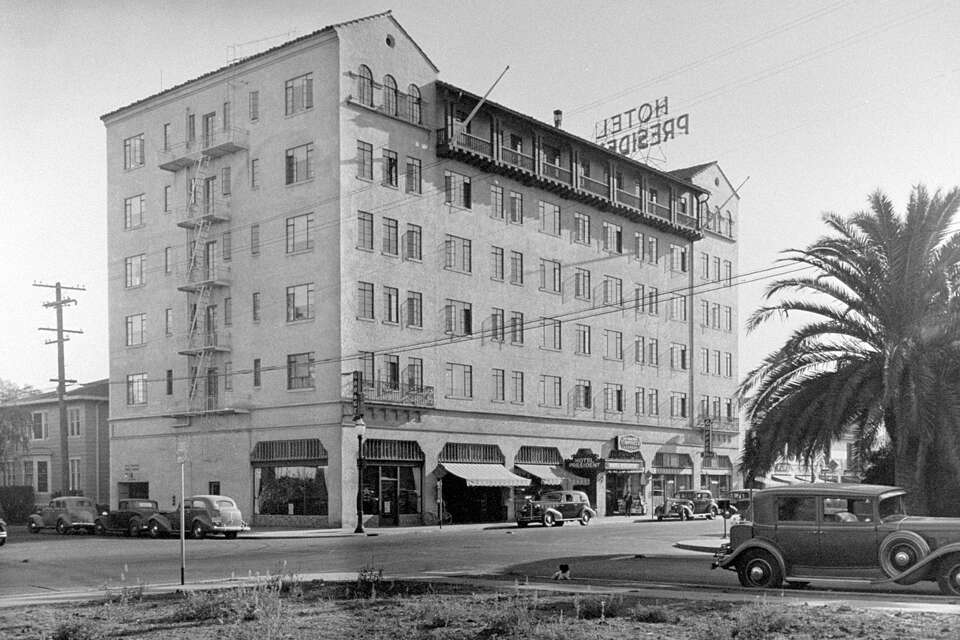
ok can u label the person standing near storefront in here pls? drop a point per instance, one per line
(628, 503)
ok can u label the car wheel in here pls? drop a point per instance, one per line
(32, 527)
(549, 520)
(99, 529)
(153, 529)
(901, 550)
(230, 535)
(948, 576)
(585, 518)
(61, 527)
(684, 515)
(759, 569)
(712, 513)
(133, 528)
(197, 531)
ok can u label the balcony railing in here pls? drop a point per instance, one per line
(220, 143)
(516, 158)
(686, 221)
(557, 172)
(406, 107)
(659, 210)
(205, 341)
(467, 141)
(215, 210)
(595, 186)
(396, 393)
(206, 275)
(629, 199)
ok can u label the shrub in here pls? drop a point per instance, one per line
(658, 614)
(76, 630)
(17, 503)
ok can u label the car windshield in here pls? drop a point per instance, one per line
(144, 504)
(82, 503)
(892, 508)
(687, 495)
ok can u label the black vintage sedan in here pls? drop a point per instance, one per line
(841, 531)
(130, 518)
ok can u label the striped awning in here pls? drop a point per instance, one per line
(551, 474)
(484, 475)
(275, 452)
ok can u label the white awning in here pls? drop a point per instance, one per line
(484, 475)
(551, 474)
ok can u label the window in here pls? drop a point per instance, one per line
(225, 181)
(678, 404)
(169, 379)
(133, 270)
(390, 95)
(704, 265)
(390, 168)
(637, 245)
(414, 309)
(639, 299)
(253, 104)
(457, 254)
(549, 218)
(678, 258)
(228, 311)
(415, 374)
(716, 362)
(254, 173)
(516, 327)
(581, 283)
(191, 129)
(516, 387)
(678, 307)
(728, 365)
(614, 345)
(226, 116)
(613, 398)
(137, 388)
(499, 390)
(300, 233)
(550, 276)
(704, 360)
(168, 260)
(391, 305)
(496, 263)
(704, 406)
(367, 366)
(39, 430)
(678, 356)
(255, 239)
(459, 380)
(166, 198)
(727, 318)
(414, 176)
(715, 315)
(653, 402)
(612, 237)
(73, 421)
(653, 352)
(300, 302)
(228, 376)
(458, 319)
(728, 409)
(550, 391)
(413, 243)
(133, 152)
(413, 97)
(728, 272)
(300, 370)
(497, 327)
(391, 241)
(583, 339)
(299, 163)
(581, 228)
(456, 189)
(165, 137)
(227, 245)
(496, 201)
(638, 401)
(797, 509)
(298, 94)
(365, 230)
(653, 301)
(364, 160)
(551, 338)
(256, 372)
(516, 207)
(365, 300)
(43, 476)
(582, 396)
(136, 329)
(168, 321)
(255, 306)
(639, 350)
(716, 268)
(653, 249)
(365, 85)
(612, 290)
(133, 209)
(705, 313)
(516, 267)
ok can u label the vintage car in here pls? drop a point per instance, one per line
(130, 518)
(840, 531)
(687, 504)
(553, 508)
(739, 501)
(203, 515)
(65, 514)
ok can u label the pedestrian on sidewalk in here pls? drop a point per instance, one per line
(628, 504)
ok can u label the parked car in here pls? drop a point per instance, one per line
(687, 504)
(3, 529)
(840, 531)
(65, 514)
(554, 508)
(739, 501)
(131, 517)
(203, 515)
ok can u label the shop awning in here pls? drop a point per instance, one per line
(551, 474)
(484, 475)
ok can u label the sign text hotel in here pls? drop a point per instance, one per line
(641, 127)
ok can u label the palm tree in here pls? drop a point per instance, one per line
(879, 356)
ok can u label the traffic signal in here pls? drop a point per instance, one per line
(357, 395)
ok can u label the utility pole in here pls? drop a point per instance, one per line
(61, 378)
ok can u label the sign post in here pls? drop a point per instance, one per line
(181, 459)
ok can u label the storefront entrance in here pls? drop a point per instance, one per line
(392, 481)
(472, 504)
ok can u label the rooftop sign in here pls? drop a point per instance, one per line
(640, 128)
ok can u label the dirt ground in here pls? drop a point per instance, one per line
(378, 610)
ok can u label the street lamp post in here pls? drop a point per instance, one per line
(360, 426)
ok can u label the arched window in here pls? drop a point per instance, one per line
(390, 95)
(366, 85)
(414, 98)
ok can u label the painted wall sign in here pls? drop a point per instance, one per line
(641, 127)
(628, 442)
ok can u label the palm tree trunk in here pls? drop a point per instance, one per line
(905, 474)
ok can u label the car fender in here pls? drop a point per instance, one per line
(554, 511)
(35, 519)
(163, 522)
(593, 514)
(729, 561)
(918, 571)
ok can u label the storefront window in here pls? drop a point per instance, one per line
(390, 490)
(300, 491)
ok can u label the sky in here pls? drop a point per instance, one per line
(811, 106)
